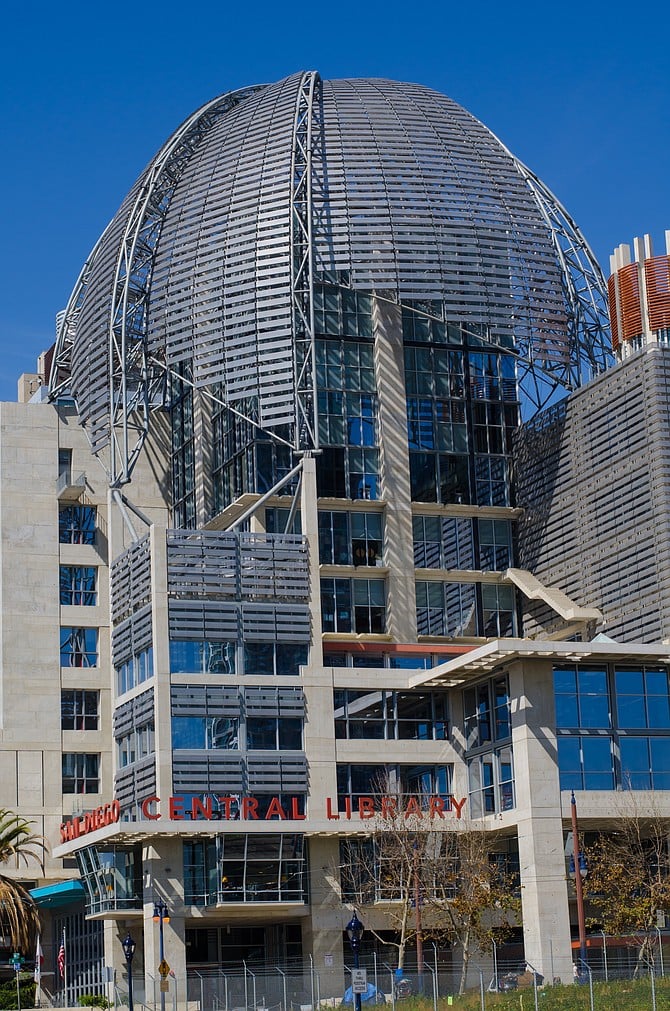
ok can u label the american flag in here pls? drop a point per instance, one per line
(39, 959)
(61, 958)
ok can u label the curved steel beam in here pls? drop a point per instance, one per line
(307, 131)
(134, 386)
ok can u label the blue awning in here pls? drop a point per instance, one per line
(62, 894)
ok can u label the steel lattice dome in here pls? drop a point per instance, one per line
(392, 187)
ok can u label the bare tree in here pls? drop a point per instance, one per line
(442, 877)
(628, 878)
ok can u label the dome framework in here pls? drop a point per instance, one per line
(208, 269)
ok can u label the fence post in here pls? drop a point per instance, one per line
(437, 975)
(434, 982)
(311, 981)
(660, 950)
(588, 969)
(283, 979)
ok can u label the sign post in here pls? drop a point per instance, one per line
(16, 962)
(359, 981)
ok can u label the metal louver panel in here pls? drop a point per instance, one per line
(205, 700)
(275, 567)
(207, 772)
(137, 712)
(273, 622)
(132, 637)
(216, 621)
(274, 702)
(272, 772)
(202, 562)
(130, 580)
(136, 782)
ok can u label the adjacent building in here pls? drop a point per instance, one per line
(261, 544)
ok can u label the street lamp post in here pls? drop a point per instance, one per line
(354, 932)
(580, 872)
(128, 946)
(161, 916)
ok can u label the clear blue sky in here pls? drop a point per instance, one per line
(578, 91)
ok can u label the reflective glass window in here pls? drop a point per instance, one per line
(581, 696)
(659, 748)
(201, 657)
(76, 524)
(598, 763)
(80, 773)
(78, 647)
(80, 709)
(586, 763)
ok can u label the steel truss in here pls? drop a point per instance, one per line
(136, 386)
(59, 377)
(585, 292)
(307, 142)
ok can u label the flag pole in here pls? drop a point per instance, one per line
(65, 961)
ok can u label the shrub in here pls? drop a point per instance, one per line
(94, 1000)
(8, 1000)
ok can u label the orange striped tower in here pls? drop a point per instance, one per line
(639, 296)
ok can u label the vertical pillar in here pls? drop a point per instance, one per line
(398, 542)
(544, 893)
(310, 529)
(161, 652)
(319, 741)
(322, 932)
(163, 871)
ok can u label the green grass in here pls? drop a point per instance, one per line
(624, 995)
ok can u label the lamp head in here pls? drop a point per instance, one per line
(161, 912)
(128, 946)
(354, 930)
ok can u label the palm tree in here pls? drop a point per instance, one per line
(19, 915)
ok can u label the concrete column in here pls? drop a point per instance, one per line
(544, 894)
(310, 529)
(322, 933)
(398, 543)
(161, 649)
(162, 865)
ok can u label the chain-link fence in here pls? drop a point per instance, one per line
(304, 986)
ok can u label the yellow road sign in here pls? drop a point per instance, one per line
(164, 969)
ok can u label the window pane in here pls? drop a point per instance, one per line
(660, 762)
(593, 698)
(564, 680)
(188, 732)
(635, 765)
(569, 763)
(566, 711)
(598, 768)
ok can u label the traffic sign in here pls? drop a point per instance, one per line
(359, 980)
(164, 969)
